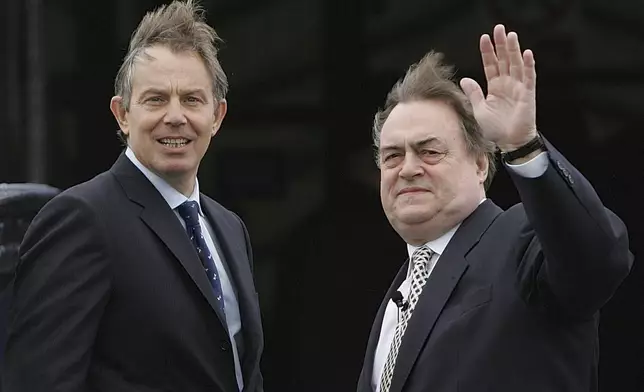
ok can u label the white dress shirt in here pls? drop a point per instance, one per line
(531, 169)
(175, 198)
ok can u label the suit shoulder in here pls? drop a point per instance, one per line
(213, 203)
(219, 207)
(516, 215)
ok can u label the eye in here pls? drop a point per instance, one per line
(391, 156)
(193, 99)
(432, 156)
(154, 99)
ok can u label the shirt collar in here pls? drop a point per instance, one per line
(173, 197)
(439, 244)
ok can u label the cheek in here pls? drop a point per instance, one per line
(462, 183)
(387, 182)
(202, 145)
(388, 188)
(143, 125)
(385, 190)
(202, 125)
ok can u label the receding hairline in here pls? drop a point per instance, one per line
(144, 54)
(455, 119)
(144, 57)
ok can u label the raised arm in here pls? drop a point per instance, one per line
(579, 253)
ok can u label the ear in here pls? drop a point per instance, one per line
(120, 114)
(482, 167)
(221, 107)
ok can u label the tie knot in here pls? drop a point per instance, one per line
(421, 256)
(189, 212)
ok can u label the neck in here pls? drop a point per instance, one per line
(421, 233)
(183, 185)
(418, 236)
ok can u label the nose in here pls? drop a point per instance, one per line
(411, 167)
(174, 115)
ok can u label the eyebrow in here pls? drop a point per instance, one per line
(416, 144)
(156, 90)
(152, 90)
(194, 91)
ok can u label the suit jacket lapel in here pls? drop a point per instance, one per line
(364, 383)
(158, 216)
(444, 278)
(231, 242)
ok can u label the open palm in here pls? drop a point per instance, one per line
(507, 116)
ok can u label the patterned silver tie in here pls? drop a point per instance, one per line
(420, 273)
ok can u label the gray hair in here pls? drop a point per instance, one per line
(181, 27)
(431, 79)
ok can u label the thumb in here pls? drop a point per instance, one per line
(473, 91)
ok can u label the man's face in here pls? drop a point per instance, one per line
(172, 114)
(428, 180)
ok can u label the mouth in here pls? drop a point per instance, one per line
(174, 142)
(412, 189)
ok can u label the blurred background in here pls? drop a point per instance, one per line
(294, 156)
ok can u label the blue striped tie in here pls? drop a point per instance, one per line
(189, 211)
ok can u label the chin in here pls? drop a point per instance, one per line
(412, 215)
(175, 168)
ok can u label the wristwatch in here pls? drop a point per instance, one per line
(528, 148)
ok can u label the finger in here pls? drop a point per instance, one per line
(516, 60)
(473, 91)
(529, 70)
(490, 62)
(501, 46)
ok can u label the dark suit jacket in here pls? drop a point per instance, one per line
(110, 295)
(512, 304)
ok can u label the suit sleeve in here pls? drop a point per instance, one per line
(61, 290)
(580, 253)
(249, 252)
(249, 248)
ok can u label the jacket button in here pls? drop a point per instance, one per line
(224, 346)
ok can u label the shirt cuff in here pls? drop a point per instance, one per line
(533, 168)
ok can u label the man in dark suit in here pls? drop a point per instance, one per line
(489, 300)
(134, 280)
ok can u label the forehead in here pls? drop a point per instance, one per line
(410, 122)
(158, 66)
